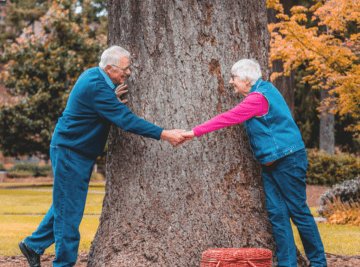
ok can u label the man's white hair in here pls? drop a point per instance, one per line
(247, 69)
(112, 55)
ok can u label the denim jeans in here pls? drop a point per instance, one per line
(72, 172)
(285, 190)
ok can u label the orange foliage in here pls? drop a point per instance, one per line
(338, 212)
(327, 50)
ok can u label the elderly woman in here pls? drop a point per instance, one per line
(277, 145)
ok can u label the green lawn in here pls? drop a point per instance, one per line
(14, 228)
(38, 202)
(14, 225)
(337, 239)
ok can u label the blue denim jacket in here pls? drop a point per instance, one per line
(90, 110)
(275, 134)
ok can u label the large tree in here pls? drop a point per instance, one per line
(164, 206)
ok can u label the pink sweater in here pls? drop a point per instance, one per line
(255, 104)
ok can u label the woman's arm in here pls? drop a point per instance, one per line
(255, 104)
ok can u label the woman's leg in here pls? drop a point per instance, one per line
(290, 174)
(280, 221)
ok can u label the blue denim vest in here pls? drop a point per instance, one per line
(275, 134)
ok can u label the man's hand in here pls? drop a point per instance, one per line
(174, 137)
(119, 91)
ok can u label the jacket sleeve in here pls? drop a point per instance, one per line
(254, 104)
(109, 107)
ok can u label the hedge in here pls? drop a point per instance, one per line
(328, 170)
(22, 170)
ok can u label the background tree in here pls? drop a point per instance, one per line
(21, 14)
(164, 206)
(41, 71)
(285, 84)
(329, 51)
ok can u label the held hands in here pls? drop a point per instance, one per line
(174, 137)
(177, 137)
(188, 135)
(119, 91)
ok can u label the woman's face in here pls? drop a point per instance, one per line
(240, 87)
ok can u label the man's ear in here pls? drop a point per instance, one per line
(107, 68)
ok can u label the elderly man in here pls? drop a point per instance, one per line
(79, 137)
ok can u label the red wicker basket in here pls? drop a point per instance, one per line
(237, 257)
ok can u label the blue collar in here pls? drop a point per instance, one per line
(107, 79)
(255, 86)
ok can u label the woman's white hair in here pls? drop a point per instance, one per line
(247, 69)
(112, 55)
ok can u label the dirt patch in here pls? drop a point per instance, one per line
(313, 194)
(46, 260)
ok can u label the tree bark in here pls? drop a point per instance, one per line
(327, 126)
(165, 206)
(285, 84)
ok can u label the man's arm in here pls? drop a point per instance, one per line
(108, 106)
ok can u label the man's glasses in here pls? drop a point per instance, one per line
(123, 70)
(233, 77)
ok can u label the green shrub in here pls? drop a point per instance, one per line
(96, 176)
(1, 167)
(44, 170)
(343, 197)
(346, 191)
(328, 170)
(22, 170)
(19, 174)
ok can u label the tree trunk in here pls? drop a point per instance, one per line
(327, 126)
(285, 84)
(164, 206)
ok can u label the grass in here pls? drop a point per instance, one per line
(19, 202)
(314, 212)
(337, 239)
(15, 228)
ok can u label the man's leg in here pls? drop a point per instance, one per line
(73, 175)
(280, 221)
(43, 237)
(292, 173)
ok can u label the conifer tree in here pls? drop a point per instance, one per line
(41, 71)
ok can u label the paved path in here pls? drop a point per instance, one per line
(50, 190)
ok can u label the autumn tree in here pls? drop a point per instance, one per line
(41, 71)
(285, 84)
(329, 51)
(164, 206)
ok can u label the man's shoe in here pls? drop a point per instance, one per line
(30, 255)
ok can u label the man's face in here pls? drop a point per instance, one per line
(240, 87)
(118, 74)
